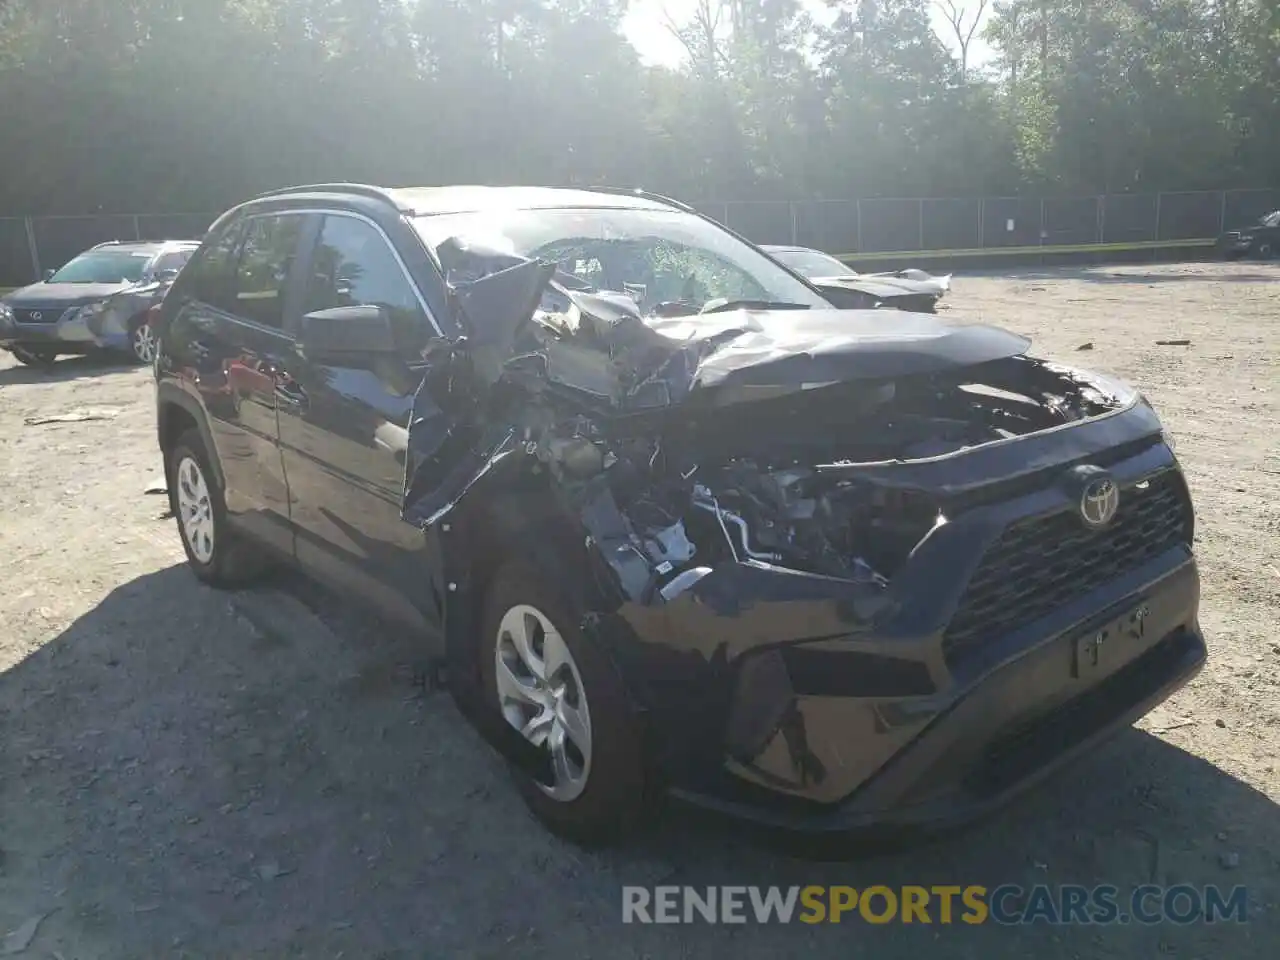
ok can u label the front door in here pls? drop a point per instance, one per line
(344, 431)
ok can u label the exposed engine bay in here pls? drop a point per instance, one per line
(733, 435)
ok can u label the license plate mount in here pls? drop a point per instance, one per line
(1097, 651)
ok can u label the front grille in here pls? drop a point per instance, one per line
(1038, 565)
(38, 315)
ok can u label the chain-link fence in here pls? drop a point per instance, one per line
(846, 228)
(31, 245)
(853, 227)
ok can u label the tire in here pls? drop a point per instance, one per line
(35, 356)
(142, 342)
(611, 801)
(216, 553)
(1264, 250)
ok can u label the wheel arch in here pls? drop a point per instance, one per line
(513, 514)
(516, 514)
(178, 412)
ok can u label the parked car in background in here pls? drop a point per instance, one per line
(909, 289)
(668, 521)
(98, 301)
(1261, 239)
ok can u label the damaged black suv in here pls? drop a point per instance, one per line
(670, 523)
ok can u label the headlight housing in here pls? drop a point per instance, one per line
(6, 312)
(82, 313)
(1165, 435)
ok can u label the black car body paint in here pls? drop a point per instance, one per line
(837, 557)
(752, 677)
(1260, 239)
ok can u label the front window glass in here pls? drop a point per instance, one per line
(1271, 219)
(103, 266)
(811, 263)
(354, 266)
(665, 258)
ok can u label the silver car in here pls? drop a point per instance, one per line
(98, 301)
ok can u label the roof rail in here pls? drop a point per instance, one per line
(641, 192)
(140, 240)
(357, 189)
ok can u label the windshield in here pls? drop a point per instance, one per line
(658, 258)
(172, 261)
(1271, 219)
(103, 266)
(811, 263)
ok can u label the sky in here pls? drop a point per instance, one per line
(645, 28)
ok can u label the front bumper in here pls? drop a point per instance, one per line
(999, 738)
(70, 335)
(820, 705)
(1234, 245)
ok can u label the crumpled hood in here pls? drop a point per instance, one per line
(62, 295)
(522, 323)
(812, 347)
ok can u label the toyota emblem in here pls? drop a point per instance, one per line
(37, 316)
(1099, 501)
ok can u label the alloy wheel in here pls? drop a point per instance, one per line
(144, 343)
(540, 694)
(195, 510)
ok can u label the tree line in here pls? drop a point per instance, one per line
(190, 105)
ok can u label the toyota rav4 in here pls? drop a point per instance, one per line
(668, 522)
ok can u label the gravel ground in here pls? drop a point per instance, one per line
(191, 773)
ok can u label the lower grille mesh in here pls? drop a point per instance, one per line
(1038, 565)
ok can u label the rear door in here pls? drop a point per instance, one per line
(344, 430)
(230, 336)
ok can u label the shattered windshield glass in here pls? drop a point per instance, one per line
(666, 261)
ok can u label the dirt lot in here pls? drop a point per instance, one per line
(190, 773)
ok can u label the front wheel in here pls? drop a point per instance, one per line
(564, 695)
(35, 356)
(142, 340)
(1264, 250)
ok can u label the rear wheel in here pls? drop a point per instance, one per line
(35, 356)
(564, 695)
(216, 553)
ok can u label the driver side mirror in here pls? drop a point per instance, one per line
(351, 336)
(166, 276)
(48, 275)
